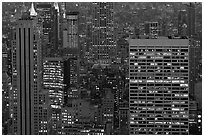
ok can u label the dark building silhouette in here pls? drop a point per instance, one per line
(55, 35)
(191, 19)
(71, 79)
(26, 74)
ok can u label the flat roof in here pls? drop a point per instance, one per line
(158, 42)
(53, 59)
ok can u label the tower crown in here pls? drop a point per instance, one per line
(32, 10)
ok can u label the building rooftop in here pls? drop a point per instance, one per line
(158, 42)
(53, 59)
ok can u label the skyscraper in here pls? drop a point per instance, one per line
(53, 74)
(53, 82)
(103, 41)
(55, 34)
(26, 74)
(71, 55)
(44, 12)
(159, 86)
(70, 32)
(71, 79)
(108, 111)
(182, 21)
(49, 16)
(191, 19)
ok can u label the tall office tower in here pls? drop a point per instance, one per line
(191, 19)
(108, 111)
(44, 114)
(44, 12)
(122, 50)
(124, 117)
(193, 118)
(71, 79)
(71, 55)
(88, 57)
(53, 82)
(103, 40)
(159, 86)
(195, 55)
(182, 22)
(70, 33)
(6, 91)
(53, 74)
(6, 98)
(26, 78)
(49, 16)
(55, 34)
(195, 85)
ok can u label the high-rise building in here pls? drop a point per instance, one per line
(195, 55)
(103, 40)
(44, 12)
(49, 16)
(191, 19)
(71, 55)
(55, 30)
(71, 79)
(124, 117)
(6, 98)
(195, 89)
(26, 78)
(53, 80)
(182, 22)
(44, 115)
(159, 86)
(122, 50)
(70, 32)
(108, 112)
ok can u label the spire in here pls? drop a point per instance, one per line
(56, 6)
(32, 10)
